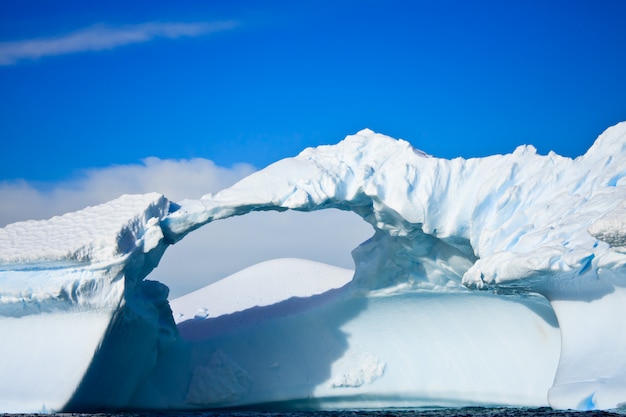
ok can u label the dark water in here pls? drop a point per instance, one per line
(443, 412)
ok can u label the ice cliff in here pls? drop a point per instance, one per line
(447, 305)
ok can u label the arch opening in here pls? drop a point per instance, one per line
(224, 247)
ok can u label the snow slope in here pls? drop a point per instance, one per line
(406, 330)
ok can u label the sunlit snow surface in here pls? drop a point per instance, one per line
(412, 328)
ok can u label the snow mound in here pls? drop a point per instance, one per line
(260, 285)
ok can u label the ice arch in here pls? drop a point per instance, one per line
(520, 224)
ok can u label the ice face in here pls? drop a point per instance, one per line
(517, 224)
(72, 286)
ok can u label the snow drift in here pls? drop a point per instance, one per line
(448, 304)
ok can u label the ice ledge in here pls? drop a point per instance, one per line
(94, 234)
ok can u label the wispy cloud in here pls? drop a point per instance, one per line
(102, 37)
(211, 252)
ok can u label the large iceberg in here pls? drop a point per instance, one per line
(489, 281)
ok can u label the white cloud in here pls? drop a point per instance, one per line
(176, 179)
(211, 252)
(103, 37)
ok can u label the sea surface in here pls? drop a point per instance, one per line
(441, 412)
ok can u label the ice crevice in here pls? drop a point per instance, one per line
(448, 237)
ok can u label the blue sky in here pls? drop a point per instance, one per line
(94, 84)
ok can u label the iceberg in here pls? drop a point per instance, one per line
(496, 281)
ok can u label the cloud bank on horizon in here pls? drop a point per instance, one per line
(177, 179)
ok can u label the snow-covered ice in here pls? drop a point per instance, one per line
(487, 281)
